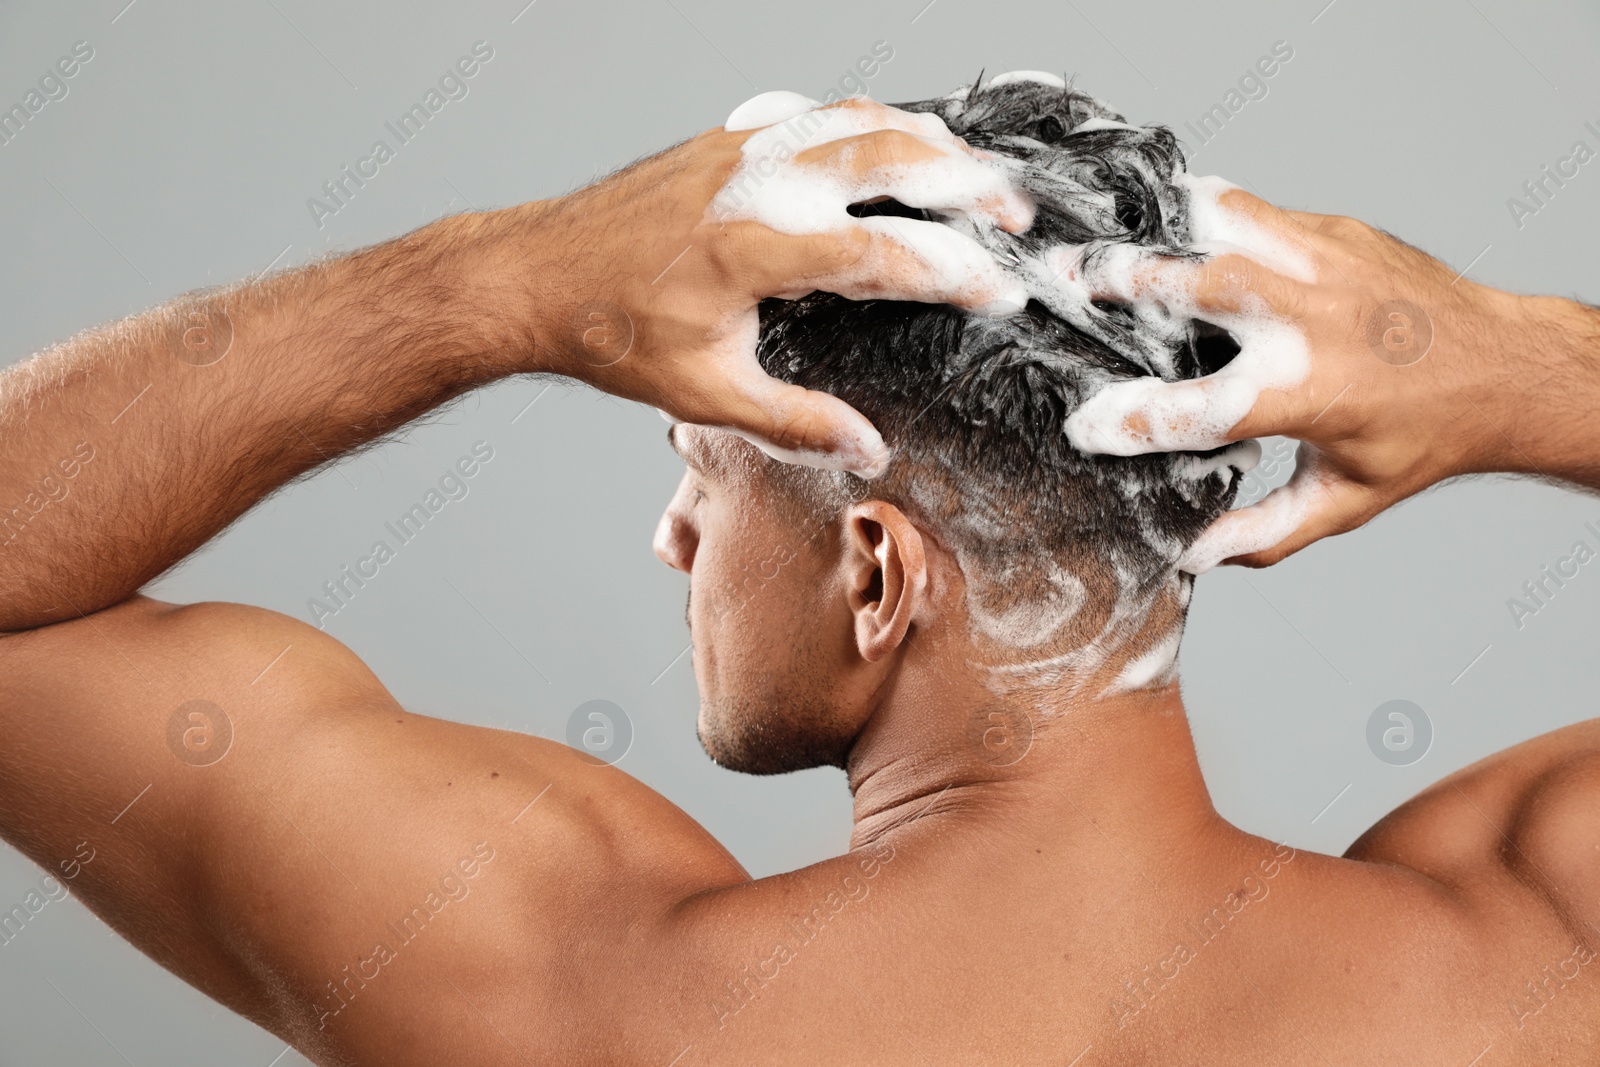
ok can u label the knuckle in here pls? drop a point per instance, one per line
(731, 246)
(852, 245)
(1241, 200)
(1254, 208)
(792, 429)
(1224, 276)
(887, 148)
(834, 253)
(1345, 228)
(1277, 554)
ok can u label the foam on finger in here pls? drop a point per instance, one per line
(1147, 415)
(769, 187)
(939, 264)
(1215, 224)
(1266, 524)
(1140, 415)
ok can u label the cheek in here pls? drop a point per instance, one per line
(757, 605)
(743, 597)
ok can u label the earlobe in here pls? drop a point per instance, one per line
(889, 576)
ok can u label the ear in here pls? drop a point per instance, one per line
(887, 573)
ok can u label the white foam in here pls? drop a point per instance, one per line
(765, 109)
(1042, 77)
(1265, 524)
(1212, 224)
(1153, 669)
(1102, 124)
(1150, 415)
(864, 453)
(1077, 667)
(1032, 622)
(768, 187)
(1242, 456)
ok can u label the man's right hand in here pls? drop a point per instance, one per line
(650, 279)
(1393, 371)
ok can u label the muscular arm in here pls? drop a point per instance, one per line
(630, 285)
(155, 433)
(263, 817)
(1549, 392)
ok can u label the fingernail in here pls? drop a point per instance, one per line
(869, 456)
(1010, 301)
(1021, 217)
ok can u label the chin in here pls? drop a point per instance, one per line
(770, 736)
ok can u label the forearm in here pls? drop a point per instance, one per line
(125, 449)
(128, 447)
(1541, 392)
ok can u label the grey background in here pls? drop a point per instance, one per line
(186, 150)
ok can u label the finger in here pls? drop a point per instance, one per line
(1223, 216)
(1338, 227)
(1246, 206)
(793, 424)
(1316, 503)
(865, 114)
(1142, 415)
(1229, 284)
(908, 259)
(919, 172)
(826, 122)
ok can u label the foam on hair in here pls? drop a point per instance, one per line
(1064, 552)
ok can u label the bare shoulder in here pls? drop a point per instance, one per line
(304, 788)
(1531, 812)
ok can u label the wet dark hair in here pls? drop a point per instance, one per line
(974, 409)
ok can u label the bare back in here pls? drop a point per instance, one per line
(377, 886)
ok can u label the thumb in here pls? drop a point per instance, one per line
(803, 426)
(1316, 503)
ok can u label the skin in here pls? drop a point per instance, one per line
(1049, 908)
(1378, 431)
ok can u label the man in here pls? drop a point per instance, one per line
(1036, 872)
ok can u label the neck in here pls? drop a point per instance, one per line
(1122, 765)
